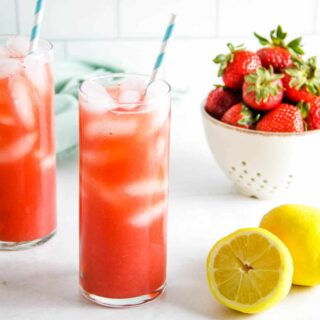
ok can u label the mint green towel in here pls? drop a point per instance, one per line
(68, 77)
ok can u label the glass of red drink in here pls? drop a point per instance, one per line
(27, 148)
(124, 160)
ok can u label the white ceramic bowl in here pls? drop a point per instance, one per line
(263, 164)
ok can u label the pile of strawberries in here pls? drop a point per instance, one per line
(274, 89)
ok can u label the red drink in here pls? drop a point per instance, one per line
(124, 156)
(27, 149)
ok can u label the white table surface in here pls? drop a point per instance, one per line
(42, 283)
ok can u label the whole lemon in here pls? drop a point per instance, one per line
(298, 226)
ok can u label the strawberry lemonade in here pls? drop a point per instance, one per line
(27, 150)
(124, 154)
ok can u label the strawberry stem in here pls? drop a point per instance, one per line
(224, 59)
(263, 83)
(305, 74)
(278, 37)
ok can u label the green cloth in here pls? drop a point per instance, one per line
(68, 77)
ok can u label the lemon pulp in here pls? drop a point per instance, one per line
(249, 270)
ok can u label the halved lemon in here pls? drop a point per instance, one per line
(249, 270)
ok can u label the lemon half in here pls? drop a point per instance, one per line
(249, 270)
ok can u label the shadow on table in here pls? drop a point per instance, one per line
(300, 290)
(48, 286)
(32, 281)
(43, 287)
(193, 294)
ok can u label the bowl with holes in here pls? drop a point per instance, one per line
(264, 165)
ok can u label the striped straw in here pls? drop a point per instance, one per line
(162, 52)
(38, 17)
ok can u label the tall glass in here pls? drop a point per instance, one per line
(124, 159)
(27, 148)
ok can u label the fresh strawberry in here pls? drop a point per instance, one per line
(263, 89)
(220, 100)
(313, 118)
(235, 65)
(311, 113)
(278, 54)
(276, 57)
(302, 81)
(293, 93)
(283, 118)
(239, 115)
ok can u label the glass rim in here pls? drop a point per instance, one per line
(40, 52)
(124, 75)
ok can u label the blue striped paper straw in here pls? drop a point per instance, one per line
(35, 33)
(163, 47)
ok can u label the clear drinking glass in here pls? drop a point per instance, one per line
(27, 144)
(124, 160)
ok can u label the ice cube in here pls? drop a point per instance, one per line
(6, 120)
(157, 99)
(146, 187)
(149, 215)
(18, 149)
(131, 91)
(106, 193)
(36, 70)
(48, 162)
(18, 46)
(110, 127)
(22, 100)
(94, 158)
(89, 157)
(96, 97)
(160, 147)
(160, 116)
(100, 157)
(134, 84)
(130, 97)
(9, 67)
(156, 90)
(4, 53)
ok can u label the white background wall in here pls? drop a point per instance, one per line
(129, 31)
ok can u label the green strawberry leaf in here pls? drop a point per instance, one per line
(311, 88)
(305, 74)
(263, 41)
(280, 34)
(278, 37)
(250, 78)
(247, 116)
(296, 46)
(233, 48)
(264, 83)
(251, 88)
(304, 107)
(220, 58)
(219, 85)
(224, 59)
